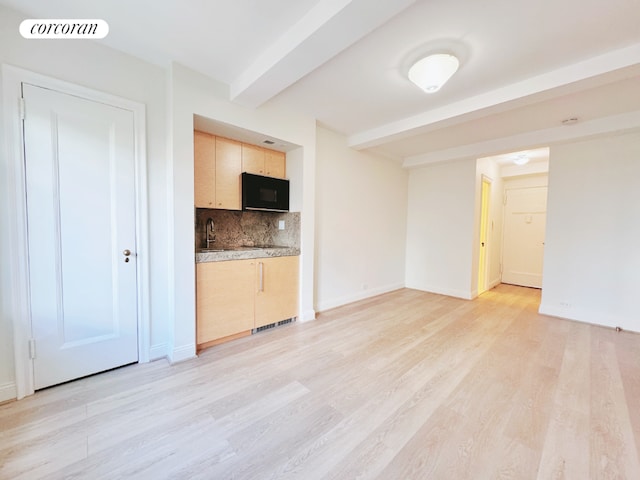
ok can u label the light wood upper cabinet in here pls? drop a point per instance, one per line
(252, 159)
(225, 294)
(275, 164)
(228, 169)
(204, 169)
(263, 161)
(218, 163)
(277, 292)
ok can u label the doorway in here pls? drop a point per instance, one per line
(80, 236)
(512, 216)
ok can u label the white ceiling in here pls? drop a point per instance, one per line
(525, 65)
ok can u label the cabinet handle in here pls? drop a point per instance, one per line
(261, 267)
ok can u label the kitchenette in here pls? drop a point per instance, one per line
(247, 242)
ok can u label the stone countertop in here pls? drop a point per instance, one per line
(241, 253)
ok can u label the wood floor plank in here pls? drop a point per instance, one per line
(628, 352)
(613, 449)
(406, 385)
(567, 438)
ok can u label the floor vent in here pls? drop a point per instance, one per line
(264, 327)
(273, 325)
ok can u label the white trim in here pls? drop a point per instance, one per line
(307, 316)
(603, 319)
(185, 352)
(17, 251)
(159, 351)
(494, 283)
(354, 297)
(449, 292)
(7, 392)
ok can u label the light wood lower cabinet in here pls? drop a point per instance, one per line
(234, 297)
(277, 297)
(224, 299)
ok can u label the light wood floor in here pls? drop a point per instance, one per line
(408, 385)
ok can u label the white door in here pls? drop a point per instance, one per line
(525, 217)
(80, 184)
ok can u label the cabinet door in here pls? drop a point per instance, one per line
(204, 169)
(252, 159)
(228, 169)
(277, 297)
(225, 294)
(275, 164)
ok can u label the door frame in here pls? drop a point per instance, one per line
(14, 231)
(485, 215)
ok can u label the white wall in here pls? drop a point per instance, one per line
(592, 251)
(490, 169)
(191, 93)
(361, 221)
(89, 64)
(441, 223)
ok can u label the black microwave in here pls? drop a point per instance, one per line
(264, 193)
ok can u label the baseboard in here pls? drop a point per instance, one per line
(449, 292)
(602, 319)
(490, 285)
(307, 316)
(354, 297)
(8, 392)
(159, 351)
(185, 352)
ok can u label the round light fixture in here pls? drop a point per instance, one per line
(521, 159)
(432, 72)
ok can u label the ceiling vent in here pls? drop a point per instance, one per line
(570, 121)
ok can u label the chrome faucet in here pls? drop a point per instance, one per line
(211, 236)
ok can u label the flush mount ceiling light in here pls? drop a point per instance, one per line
(432, 72)
(521, 159)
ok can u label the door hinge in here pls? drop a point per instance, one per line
(32, 349)
(22, 107)
(504, 199)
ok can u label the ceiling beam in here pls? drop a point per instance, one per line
(547, 85)
(534, 139)
(328, 28)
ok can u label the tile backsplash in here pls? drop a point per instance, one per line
(236, 228)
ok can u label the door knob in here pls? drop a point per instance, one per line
(126, 254)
